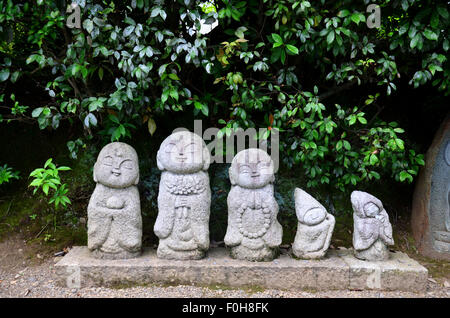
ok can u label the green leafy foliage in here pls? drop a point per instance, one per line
(7, 174)
(139, 64)
(47, 180)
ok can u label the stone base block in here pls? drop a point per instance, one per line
(338, 270)
(399, 272)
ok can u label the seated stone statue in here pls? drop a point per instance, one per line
(184, 197)
(253, 231)
(114, 211)
(315, 227)
(372, 229)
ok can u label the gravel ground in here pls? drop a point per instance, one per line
(25, 274)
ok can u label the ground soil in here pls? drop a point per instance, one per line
(27, 270)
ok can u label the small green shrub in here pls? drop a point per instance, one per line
(46, 179)
(7, 174)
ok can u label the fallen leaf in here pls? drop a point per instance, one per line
(151, 126)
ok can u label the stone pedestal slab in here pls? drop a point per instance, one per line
(339, 270)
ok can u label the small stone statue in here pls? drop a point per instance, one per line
(184, 197)
(253, 231)
(114, 211)
(372, 230)
(315, 227)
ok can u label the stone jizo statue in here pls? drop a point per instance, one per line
(430, 217)
(372, 230)
(184, 197)
(114, 211)
(253, 231)
(315, 227)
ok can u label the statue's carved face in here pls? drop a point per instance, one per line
(183, 152)
(117, 166)
(309, 211)
(371, 210)
(252, 168)
(314, 216)
(365, 205)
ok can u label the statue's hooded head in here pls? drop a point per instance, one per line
(309, 211)
(252, 169)
(183, 152)
(117, 166)
(365, 205)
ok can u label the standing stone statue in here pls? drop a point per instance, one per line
(315, 227)
(114, 211)
(184, 197)
(372, 230)
(253, 231)
(430, 218)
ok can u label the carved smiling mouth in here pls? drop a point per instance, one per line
(116, 174)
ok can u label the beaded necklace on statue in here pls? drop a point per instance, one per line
(185, 185)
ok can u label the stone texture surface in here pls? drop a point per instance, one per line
(338, 270)
(315, 227)
(372, 230)
(114, 210)
(430, 218)
(398, 272)
(253, 231)
(184, 197)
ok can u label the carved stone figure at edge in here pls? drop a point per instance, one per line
(184, 197)
(253, 231)
(445, 235)
(114, 210)
(430, 215)
(315, 227)
(372, 229)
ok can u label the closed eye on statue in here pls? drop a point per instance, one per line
(371, 208)
(314, 212)
(264, 165)
(190, 147)
(108, 161)
(245, 169)
(127, 164)
(170, 147)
